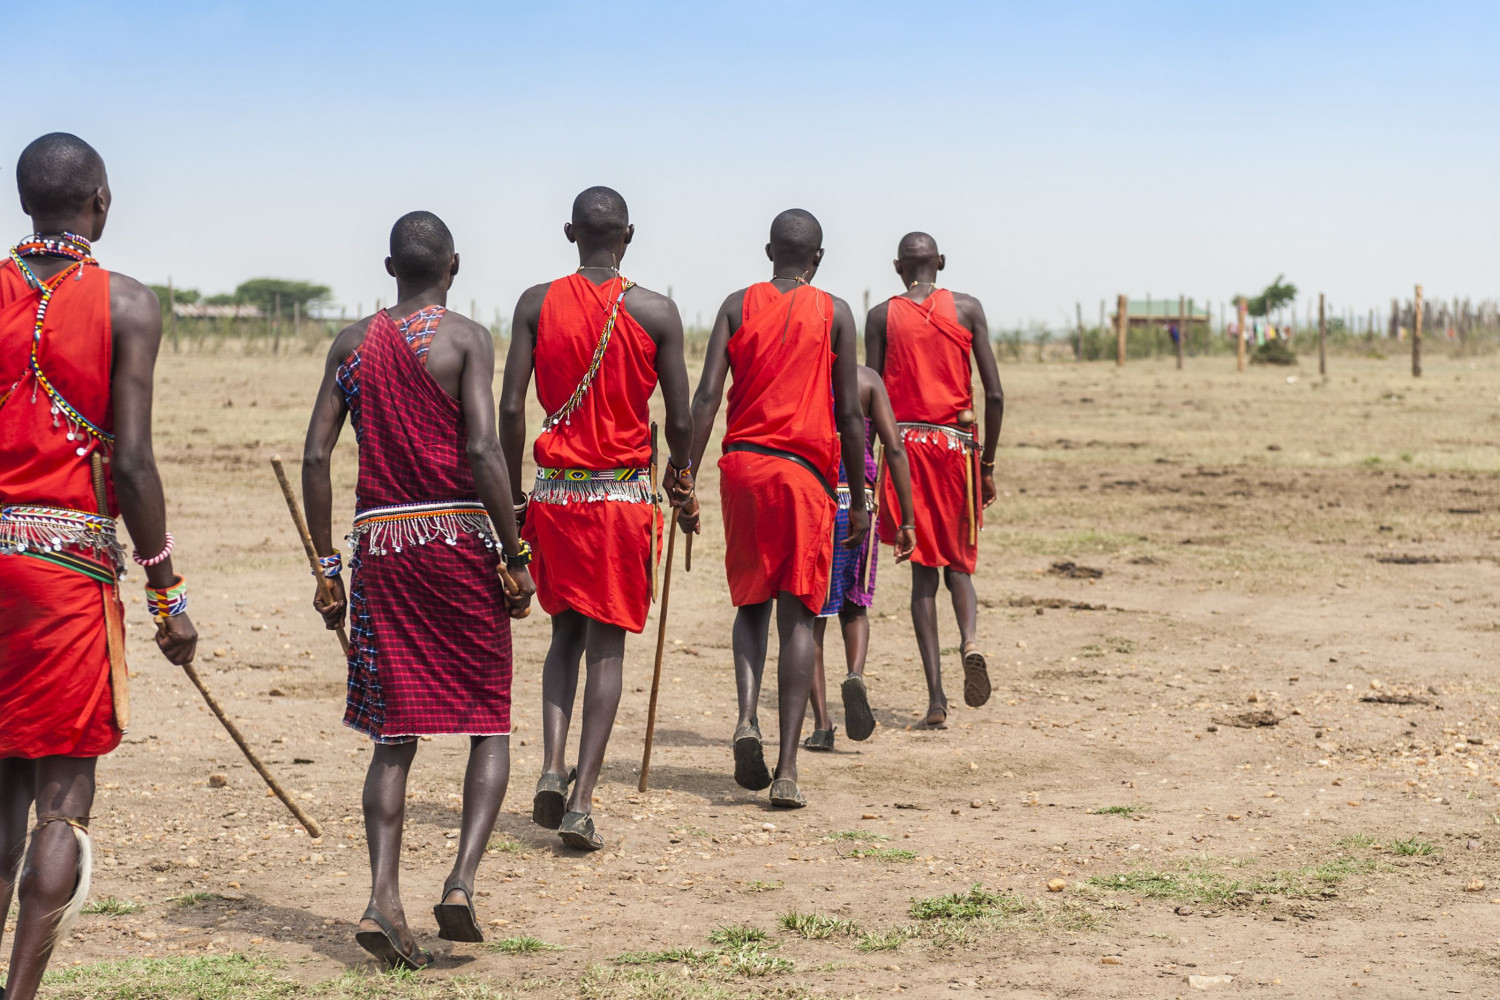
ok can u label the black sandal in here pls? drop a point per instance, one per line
(385, 944)
(786, 795)
(820, 740)
(976, 676)
(551, 799)
(859, 721)
(457, 922)
(750, 759)
(577, 831)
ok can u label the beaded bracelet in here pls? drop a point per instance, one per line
(169, 602)
(160, 557)
(331, 565)
(672, 467)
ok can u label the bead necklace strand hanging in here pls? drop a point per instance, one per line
(80, 252)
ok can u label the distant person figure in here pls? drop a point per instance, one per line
(793, 409)
(923, 342)
(598, 343)
(429, 649)
(84, 343)
(851, 591)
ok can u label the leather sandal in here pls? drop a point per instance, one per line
(820, 740)
(551, 799)
(786, 795)
(859, 721)
(385, 944)
(577, 831)
(750, 759)
(976, 676)
(457, 922)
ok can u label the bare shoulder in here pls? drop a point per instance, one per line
(870, 380)
(652, 310)
(967, 305)
(879, 310)
(841, 309)
(734, 307)
(349, 338)
(463, 327)
(529, 305)
(132, 305)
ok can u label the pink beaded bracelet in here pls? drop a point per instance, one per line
(158, 558)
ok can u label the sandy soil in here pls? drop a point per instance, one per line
(1328, 554)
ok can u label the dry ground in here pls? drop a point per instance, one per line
(1325, 553)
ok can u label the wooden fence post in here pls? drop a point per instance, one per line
(1122, 321)
(1181, 328)
(1416, 336)
(1322, 339)
(1239, 347)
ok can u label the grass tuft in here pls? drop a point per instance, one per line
(964, 906)
(1411, 846)
(816, 925)
(524, 944)
(759, 886)
(1116, 811)
(1358, 840)
(882, 854)
(112, 907)
(505, 845)
(736, 935)
(192, 898)
(888, 941)
(855, 835)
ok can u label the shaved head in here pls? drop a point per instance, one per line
(600, 215)
(58, 176)
(917, 247)
(796, 236)
(421, 247)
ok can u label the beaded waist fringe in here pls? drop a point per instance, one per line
(391, 529)
(953, 437)
(36, 527)
(845, 501)
(565, 486)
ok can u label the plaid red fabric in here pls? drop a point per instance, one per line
(430, 649)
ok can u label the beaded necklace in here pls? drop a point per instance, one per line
(80, 252)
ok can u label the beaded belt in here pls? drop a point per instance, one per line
(565, 486)
(392, 528)
(845, 501)
(38, 528)
(955, 438)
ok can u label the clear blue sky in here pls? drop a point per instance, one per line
(1059, 152)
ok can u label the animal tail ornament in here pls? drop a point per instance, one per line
(68, 914)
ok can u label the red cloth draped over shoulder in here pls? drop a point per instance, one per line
(778, 516)
(54, 662)
(929, 380)
(440, 625)
(593, 556)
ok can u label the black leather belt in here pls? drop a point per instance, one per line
(760, 449)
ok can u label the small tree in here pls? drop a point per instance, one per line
(1275, 295)
(263, 292)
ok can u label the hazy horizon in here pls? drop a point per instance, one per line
(1060, 153)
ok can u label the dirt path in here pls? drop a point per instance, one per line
(1325, 557)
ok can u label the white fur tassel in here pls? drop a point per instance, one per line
(68, 915)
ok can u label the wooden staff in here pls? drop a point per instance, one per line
(661, 642)
(966, 421)
(114, 620)
(307, 544)
(308, 823)
(655, 511)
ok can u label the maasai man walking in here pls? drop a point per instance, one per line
(430, 603)
(851, 591)
(793, 409)
(923, 342)
(77, 354)
(599, 343)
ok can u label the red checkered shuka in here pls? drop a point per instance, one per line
(430, 647)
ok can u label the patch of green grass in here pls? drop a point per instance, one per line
(686, 955)
(816, 925)
(192, 898)
(856, 835)
(1091, 651)
(1411, 847)
(1372, 461)
(736, 935)
(1201, 882)
(1358, 840)
(602, 983)
(1115, 811)
(961, 906)
(882, 854)
(505, 845)
(691, 831)
(240, 977)
(1192, 885)
(887, 941)
(1119, 644)
(110, 906)
(759, 886)
(524, 944)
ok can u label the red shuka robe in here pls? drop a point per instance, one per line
(55, 695)
(778, 514)
(929, 380)
(593, 555)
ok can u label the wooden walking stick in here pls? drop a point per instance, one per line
(966, 421)
(312, 554)
(308, 823)
(655, 511)
(114, 617)
(661, 643)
